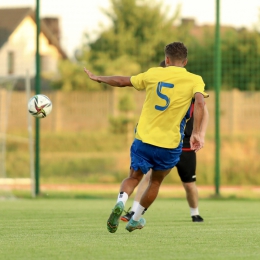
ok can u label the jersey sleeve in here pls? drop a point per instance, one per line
(138, 81)
(199, 86)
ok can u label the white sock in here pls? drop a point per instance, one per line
(194, 211)
(134, 206)
(138, 212)
(122, 196)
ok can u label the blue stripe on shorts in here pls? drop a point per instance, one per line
(146, 156)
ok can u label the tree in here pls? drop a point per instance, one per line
(71, 77)
(241, 56)
(135, 41)
(139, 32)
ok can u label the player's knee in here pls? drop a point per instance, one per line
(189, 185)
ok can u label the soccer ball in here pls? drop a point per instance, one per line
(39, 106)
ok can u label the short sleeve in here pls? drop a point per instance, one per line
(138, 81)
(199, 86)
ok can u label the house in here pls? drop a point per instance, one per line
(206, 30)
(18, 43)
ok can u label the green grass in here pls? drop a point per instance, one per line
(76, 229)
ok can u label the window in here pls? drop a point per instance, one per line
(10, 62)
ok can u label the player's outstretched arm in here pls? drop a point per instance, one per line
(116, 81)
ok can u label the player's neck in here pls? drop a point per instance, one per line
(175, 65)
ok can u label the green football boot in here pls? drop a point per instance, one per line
(113, 220)
(133, 225)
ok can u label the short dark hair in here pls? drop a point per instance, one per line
(162, 63)
(176, 51)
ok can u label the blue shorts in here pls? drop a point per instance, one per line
(146, 156)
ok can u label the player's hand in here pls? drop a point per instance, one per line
(202, 140)
(91, 75)
(195, 142)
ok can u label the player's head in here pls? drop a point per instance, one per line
(176, 54)
(162, 63)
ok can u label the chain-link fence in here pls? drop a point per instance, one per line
(90, 112)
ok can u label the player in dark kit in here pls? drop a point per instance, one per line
(186, 168)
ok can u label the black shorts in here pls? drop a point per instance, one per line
(187, 166)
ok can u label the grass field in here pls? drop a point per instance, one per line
(76, 229)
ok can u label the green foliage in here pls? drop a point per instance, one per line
(119, 124)
(71, 77)
(80, 170)
(122, 65)
(139, 30)
(241, 55)
(104, 157)
(126, 103)
(136, 40)
(80, 143)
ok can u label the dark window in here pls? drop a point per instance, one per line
(10, 62)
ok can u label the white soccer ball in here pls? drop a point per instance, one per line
(39, 106)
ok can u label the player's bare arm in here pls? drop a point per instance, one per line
(116, 81)
(204, 124)
(195, 139)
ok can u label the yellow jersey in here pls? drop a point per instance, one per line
(169, 92)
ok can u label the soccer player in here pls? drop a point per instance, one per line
(186, 168)
(158, 139)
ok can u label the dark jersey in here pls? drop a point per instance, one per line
(188, 129)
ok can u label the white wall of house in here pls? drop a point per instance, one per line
(22, 43)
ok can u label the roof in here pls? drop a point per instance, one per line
(10, 18)
(199, 31)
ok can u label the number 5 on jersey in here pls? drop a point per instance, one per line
(163, 96)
